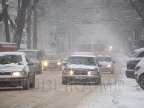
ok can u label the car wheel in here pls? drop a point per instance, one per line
(64, 81)
(39, 72)
(98, 81)
(141, 81)
(26, 86)
(112, 72)
(32, 84)
(44, 69)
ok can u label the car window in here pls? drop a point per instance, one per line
(108, 59)
(31, 54)
(81, 60)
(140, 54)
(8, 59)
(39, 55)
(52, 57)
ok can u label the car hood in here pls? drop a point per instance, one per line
(81, 67)
(53, 61)
(11, 67)
(104, 63)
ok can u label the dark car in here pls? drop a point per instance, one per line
(52, 61)
(133, 61)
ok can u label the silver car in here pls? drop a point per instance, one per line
(81, 67)
(35, 57)
(106, 64)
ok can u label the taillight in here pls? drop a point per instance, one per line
(137, 68)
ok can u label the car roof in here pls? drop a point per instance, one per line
(83, 54)
(11, 53)
(138, 50)
(27, 50)
(104, 56)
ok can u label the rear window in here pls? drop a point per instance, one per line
(108, 59)
(31, 54)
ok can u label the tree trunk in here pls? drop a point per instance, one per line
(6, 17)
(20, 22)
(35, 19)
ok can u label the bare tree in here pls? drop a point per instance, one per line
(20, 21)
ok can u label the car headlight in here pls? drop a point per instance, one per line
(92, 72)
(71, 72)
(59, 63)
(45, 63)
(108, 65)
(18, 74)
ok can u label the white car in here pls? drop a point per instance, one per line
(15, 70)
(105, 63)
(139, 73)
(81, 67)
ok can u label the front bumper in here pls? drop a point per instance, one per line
(81, 78)
(13, 81)
(136, 77)
(106, 69)
(130, 74)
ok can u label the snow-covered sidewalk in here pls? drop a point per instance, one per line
(125, 93)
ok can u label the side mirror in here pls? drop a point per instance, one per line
(64, 62)
(40, 58)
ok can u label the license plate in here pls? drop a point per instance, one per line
(80, 77)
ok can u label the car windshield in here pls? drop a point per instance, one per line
(81, 60)
(52, 57)
(30, 54)
(107, 59)
(8, 59)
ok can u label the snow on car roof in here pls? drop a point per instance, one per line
(140, 49)
(103, 56)
(6, 43)
(11, 53)
(83, 54)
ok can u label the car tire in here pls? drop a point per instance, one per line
(44, 69)
(112, 72)
(26, 86)
(39, 72)
(32, 84)
(98, 81)
(141, 81)
(64, 82)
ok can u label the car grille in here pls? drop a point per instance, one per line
(52, 64)
(5, 73)
(132, 64)
(80, 72)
